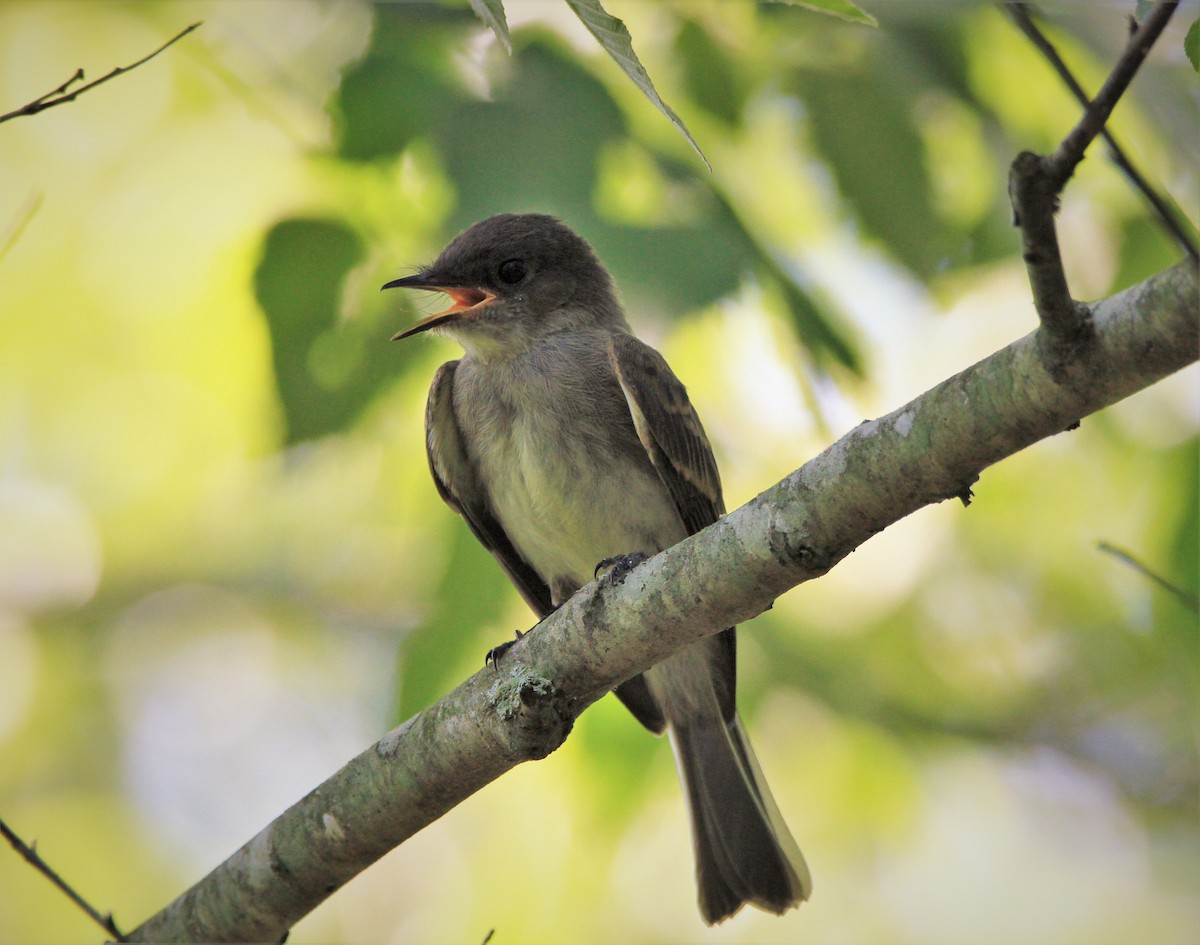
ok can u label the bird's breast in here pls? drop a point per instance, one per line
(566, 475)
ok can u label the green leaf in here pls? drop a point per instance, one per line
(405, 82)
(492, 14)
(710, 74)
(1191, 45)
(821, 332)
(616, 41)
(535, 144)
(326, 369)
(866, 130)
(842, 9)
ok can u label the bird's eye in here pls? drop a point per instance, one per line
(512, 271)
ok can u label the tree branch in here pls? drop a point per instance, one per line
(931, 449)
(1034, 192)
(31, 856)
(1034, 185)
(60, 95)
(1187, 599)
(1070, 151)
(1166, 212)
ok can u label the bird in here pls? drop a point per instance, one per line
(565, 441)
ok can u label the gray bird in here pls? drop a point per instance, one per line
(564, 440)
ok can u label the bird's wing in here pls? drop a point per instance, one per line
(670, 431)
(458, 484)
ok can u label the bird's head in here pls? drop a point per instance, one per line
(514, 279)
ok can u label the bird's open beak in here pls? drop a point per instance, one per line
(466, 299)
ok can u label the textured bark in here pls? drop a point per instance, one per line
(929, 450)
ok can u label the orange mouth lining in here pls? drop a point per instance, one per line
(465, 299)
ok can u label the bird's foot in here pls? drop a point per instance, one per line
(495, 653)
(615, 569)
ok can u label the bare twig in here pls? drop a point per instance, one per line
(31, 856)
(21, 219)
(1066, 324)
(1034, 184)
(60, 95)
(1070, 150)
(1167, 213)
(1188, 600)
(77, 77)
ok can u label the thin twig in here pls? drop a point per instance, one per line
(1188, 600)
(31, 856)
(60, 95)
(77, 77)
(1035, 183)
(1066, 324)
(1168, 215)
(1070, 150)
(21, 219)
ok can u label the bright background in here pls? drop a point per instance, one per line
(224, 569)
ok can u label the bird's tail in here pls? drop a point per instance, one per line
(744, 851)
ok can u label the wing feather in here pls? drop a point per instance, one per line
(674, 439)
(670, 431)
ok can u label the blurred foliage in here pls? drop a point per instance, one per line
(613, 37)
(224, 568)
(536, 142)
(324, 374)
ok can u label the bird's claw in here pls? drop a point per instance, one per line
(615, 569)
(495, 653)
